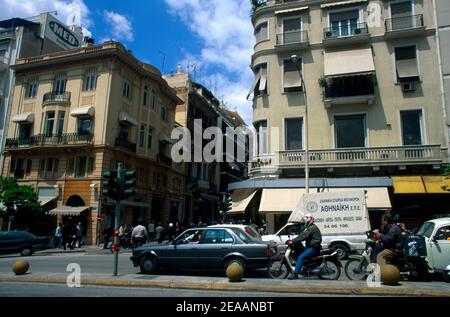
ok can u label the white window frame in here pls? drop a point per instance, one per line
(413, 9)
(282, 75)
(396, 81)
(33, 85)
(59, 80)
(347, 114)
(126, 93)
(360, 17)
(268, 31)
(423, 128)
(292, 18)
(267, 78)
(267, 137)
(302, 132)
(90, 80)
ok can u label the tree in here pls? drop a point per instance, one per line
(21, 202)
(446, 187)
(257, 3)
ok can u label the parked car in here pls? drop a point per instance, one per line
(248, 229)
(22, 242)
(205, 249)
(343, 244)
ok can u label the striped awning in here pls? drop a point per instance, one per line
(341, 3)
(67, 211)
(291, 10)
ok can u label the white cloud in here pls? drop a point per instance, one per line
(121, 28)
(68, 11)
(226, 33)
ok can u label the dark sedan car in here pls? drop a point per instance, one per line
(21, 242)
(205, 249)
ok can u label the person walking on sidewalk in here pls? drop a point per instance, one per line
(139, 235)
(159, 232)
(107, 233)
(58, 236)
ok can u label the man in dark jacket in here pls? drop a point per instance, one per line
(313, 238)
(391, 240)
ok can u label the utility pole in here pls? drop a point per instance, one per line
(117, 221)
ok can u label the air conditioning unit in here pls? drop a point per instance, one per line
(408, 87)
(357, 31)
(329, 34)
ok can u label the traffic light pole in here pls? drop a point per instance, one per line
(117, 221)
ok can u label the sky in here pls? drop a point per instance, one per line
(212, 39)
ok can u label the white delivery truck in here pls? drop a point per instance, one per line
(342, 217)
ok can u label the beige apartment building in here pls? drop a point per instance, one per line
(367, 72)
(75, 115)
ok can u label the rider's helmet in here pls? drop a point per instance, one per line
(309, 219)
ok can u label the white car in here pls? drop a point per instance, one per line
(343, 244)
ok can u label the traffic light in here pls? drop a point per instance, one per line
(129, 182)
(228, 203)
(225, 204)
(111, 185)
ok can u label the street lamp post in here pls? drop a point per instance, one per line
(294, 60)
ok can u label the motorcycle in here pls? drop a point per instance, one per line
(125, 242)
(356, 266)
(326, 265)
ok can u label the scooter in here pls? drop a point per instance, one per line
(356, 266)
(326, 265)
(125, 242)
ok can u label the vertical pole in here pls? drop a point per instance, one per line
(117, 220)
(306, 138)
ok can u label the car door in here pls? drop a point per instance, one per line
(11, 242)
(439, 245)
(214, 245)
(182, 252)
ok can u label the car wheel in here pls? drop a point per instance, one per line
(148, 265)
(26, 251)
(342, 250)
(237, 260)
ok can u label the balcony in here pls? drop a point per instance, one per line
(295, 40)
(352, 34)
(404, 27)
(355, 89)
(123, 143)
(56, 98)
(42, 140)
(7, 34)
(383, 156)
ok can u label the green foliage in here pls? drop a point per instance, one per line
(446, 187)
(323, 82)
(257, 3)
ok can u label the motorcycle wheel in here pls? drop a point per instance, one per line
(277, 269)
(356, 271)
(329, 271)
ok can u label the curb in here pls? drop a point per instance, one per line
(227, 286)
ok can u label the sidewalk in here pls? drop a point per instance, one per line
(90, 249)
(354, 288)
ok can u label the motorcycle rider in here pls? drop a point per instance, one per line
(391, 240)
(313, 237)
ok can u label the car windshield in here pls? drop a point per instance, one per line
(426, 229)
(242, 235)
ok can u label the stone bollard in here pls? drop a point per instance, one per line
(20, 267)
(390, 274)
(235, 272)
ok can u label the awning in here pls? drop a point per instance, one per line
(68, 211)
(255, 82)
(240, 198)
(45, 200)
(83, 112)
(280, 200)
(292, 79)
(263, 81)
(341, 3)
(125, 118)
(345, 62)
(291, 10)
(24, 118)
(165, 138)
(407, 68)
(408, 185)
(433, 184)
(376, 198)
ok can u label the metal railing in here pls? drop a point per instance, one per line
(44, 139)
(345, 31)
(125, 144)
(292, 37)
(402, 23)
(54, 96)
(384, 155)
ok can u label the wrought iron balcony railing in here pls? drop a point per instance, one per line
(56, 97)
(45, 140)
(123, 142)
(292, 37)
(345, 31)
(404, 23)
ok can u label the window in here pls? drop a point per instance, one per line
(48, 167)
(80, 170)
(217, 236)
(259, 86)
(150, 137)
(70, 166)
(261, 32)
(59, 86)
(350, 131)
(90, 80)
(154, 99)
(292, 80)
(29, 165)
(164, 114)
(49, 122)
(261, 137)
(85, 126)
(292, 30)
(293, 135)
(412, 127)
(142, 135)
(91, 165)
(32, 88)
(406, 64)
(344, 23)
(402, 15)
(145, 97)
(443, 233)
(126, 89)
(24, 131)
(60, 126)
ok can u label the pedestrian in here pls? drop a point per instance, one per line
(139, 235)
(58, 236)
(107, 233)
(159, 232)
(79, 235)
(66, 236)
(171, 231)
(151, 231)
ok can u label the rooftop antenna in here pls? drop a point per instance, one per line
(164, 55)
